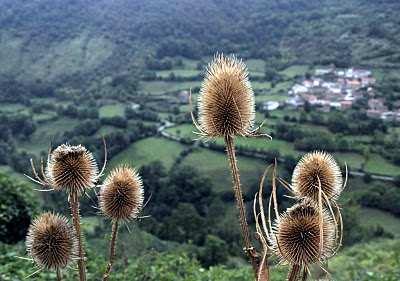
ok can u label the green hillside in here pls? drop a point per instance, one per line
(119, 73)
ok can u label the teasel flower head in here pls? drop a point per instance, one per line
(51, 241)
(317, 169)
(121, 195)
(226, 100)
(302, 237)
(71, 168)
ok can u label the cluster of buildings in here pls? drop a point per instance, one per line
(330, 88)
(378, 109)
(335, 88)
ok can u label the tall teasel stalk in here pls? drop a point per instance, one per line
(227, 109)
(121, 199)
(72, 169)
(311, 231)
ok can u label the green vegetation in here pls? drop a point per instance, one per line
(17, 208)
(159, 87)
(295, 70)
(148, 150)
(373, 217)
(41, 139)
(70, 73)
(112, 110)
(378, 165)
(214, 165)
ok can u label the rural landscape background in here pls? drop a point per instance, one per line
(326, 75)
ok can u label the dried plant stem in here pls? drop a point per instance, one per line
(250, 251)
(294, 273)
(305, 274)
(114, 233)
(59, 276)
(74, 205)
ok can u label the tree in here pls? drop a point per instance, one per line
(184, 225)
(18, 205)
(215, 251)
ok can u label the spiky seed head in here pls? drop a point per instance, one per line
(226, 100)
(72, 168)
(121, 196)
(51, 241)
(314, 168)
(297, 235)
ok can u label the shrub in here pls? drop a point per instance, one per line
(17, 207)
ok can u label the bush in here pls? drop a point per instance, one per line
(17, 207)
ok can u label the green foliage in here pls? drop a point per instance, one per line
(375, 261)
(380, 196)
(18, 205)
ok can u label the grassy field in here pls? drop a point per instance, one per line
(353, 160)
(215, 166)
(372, 217)
(282, 87)
(178, 73)
(255, 65)
(264, 144)
(271, 97)
(261, 85)
(378, 165)
(159, 87)
(286, 148)
(112, 110)
(44, 116)
(45, 134)
(148, 150)
(9, 108)
(295, 70)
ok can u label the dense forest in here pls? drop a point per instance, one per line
(121, 70)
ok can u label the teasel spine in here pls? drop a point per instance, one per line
(114, 234)
(249, 249)
(74, 205)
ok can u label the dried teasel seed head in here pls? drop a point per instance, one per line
(226, 100)
(298, 235)
(51, 241)
(71, 168)
(317, 168)
(121, 196)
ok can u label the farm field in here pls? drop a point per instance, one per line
(378, 165)
(178, 72)
(215, 165)
(373, 217)
(112, 110)
(148, 150)
(354, 161)
(159, 87)
(42, 138)
(295, 70)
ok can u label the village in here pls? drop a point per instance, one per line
(331, 88)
